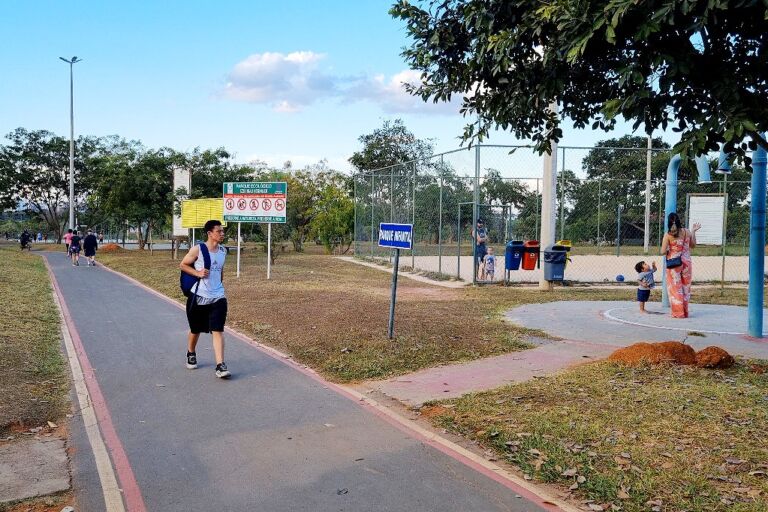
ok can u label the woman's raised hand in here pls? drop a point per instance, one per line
(696, 226)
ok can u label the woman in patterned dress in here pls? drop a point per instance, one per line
(679, 241)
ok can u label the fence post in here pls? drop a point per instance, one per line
(458, 243)
(599, 205)
(413, 220)
(618, 231)
(562, 198)
(373, 201)
(647, 234)
(536, 217)
(392, 194)
(476, 202)
(725, 232)
(440, 223)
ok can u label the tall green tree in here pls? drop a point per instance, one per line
(34, 172)
(699, 66)
(136, 185)
(392, 144)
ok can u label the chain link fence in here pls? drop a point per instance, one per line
(603, 217)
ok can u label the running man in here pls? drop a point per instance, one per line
(74, 248)
(207, 305)
(90, 244)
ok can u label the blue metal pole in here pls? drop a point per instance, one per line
(670, 205)
(757, 244)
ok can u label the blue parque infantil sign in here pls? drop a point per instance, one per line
(396, 236)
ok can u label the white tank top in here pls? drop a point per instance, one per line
(211, 287)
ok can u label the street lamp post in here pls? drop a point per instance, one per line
(71, 63)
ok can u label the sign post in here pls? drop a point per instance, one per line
(395, 236)
(238, 249)
(264, 202)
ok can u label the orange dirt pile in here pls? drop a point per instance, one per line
(110, 248)
(713, 357)
(655, 353)
(672, 352)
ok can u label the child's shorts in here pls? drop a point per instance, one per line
(643, 295)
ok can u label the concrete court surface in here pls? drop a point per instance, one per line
(270, 439)
(620, 323)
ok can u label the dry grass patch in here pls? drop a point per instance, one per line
(634, 439)
(33, 378)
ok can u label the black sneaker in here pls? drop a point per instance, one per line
(191, 360)
(222, 372)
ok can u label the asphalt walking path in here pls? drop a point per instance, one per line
(272, 438)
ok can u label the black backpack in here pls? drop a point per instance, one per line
(188, 281)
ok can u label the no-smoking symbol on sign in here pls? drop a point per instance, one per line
(230, 204)
(241, 204)
(279, 205)
(266, 204)
(254, 204)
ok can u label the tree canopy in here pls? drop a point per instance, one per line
(389, 145)
(698, 66)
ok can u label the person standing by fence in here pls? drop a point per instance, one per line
(676, 247)
(480, 233)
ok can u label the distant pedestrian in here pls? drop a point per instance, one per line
(101, 238)
(45, 237)
(74, 248)
(67, 240)
(90, 244)
(39, 236)
(645, 282)
(207, 302)
(7, 236)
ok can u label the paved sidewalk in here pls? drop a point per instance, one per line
(589, 331)
(621, 323)
(270, 439)
(459, 379)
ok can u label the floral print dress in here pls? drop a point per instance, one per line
(679, 278)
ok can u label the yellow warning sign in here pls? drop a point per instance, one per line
(196, 212)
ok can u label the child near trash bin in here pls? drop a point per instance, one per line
(645, 282)
(489, 266)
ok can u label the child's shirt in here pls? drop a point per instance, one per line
(645, 280)
(490, 264)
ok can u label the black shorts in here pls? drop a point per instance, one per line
(206, 318)
(90, 251)
(643, 295)
(75, 249)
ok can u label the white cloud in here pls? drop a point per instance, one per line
(286, 82)
(290, 82)
(391, 95)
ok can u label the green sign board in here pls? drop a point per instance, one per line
(255, 202)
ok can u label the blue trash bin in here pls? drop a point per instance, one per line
(513, 255)
(555, 257)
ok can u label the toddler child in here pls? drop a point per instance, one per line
(645, 282)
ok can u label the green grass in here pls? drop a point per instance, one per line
(691, 439)
(33, 378)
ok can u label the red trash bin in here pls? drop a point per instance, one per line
(531, 250)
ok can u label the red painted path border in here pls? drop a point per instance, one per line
(133, 499)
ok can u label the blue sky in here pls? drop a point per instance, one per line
(275, 81)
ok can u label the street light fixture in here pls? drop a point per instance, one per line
(71, 63)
